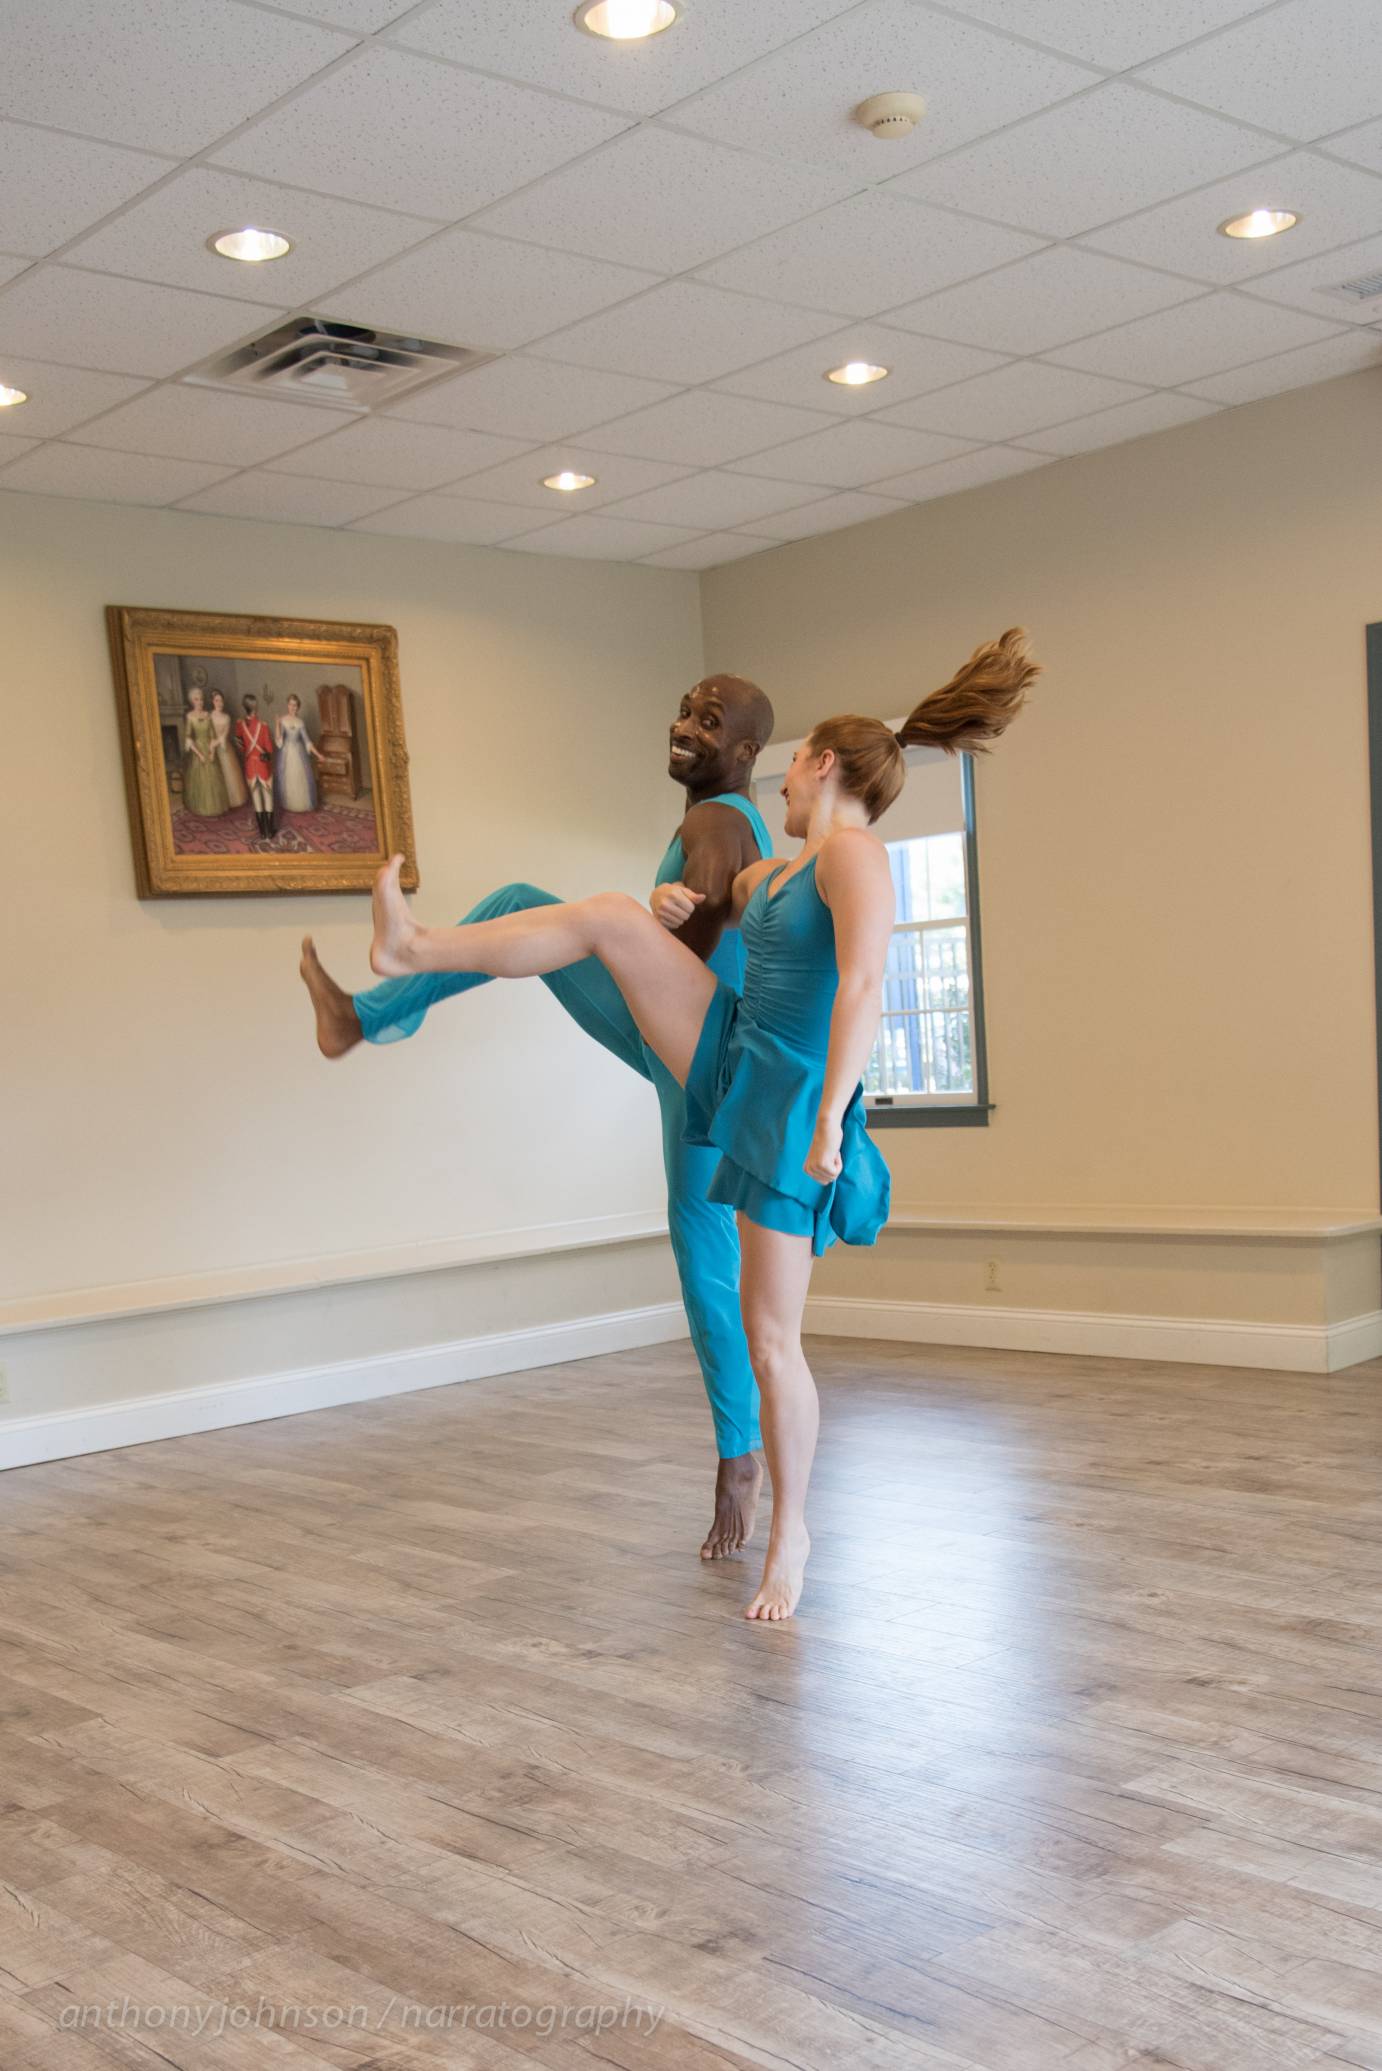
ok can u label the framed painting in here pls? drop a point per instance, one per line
(261, 754)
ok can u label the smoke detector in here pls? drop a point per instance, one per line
(888, 115)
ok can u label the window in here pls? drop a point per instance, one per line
(927, 1067)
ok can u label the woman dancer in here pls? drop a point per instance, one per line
(227, 761)
(203, 786)
(295, 785)
(771, 1080)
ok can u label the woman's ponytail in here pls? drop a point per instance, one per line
(980, 701)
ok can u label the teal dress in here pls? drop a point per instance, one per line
(755, 1084)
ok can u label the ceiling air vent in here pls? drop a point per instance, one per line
(310, 359)
(1364, 287)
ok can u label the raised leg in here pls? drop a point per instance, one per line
(667, 987)
(776, 1275)
(395, 1009)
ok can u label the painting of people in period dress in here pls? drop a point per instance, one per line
(272, 747)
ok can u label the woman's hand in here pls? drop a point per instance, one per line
(823, 1160)
(673, 904)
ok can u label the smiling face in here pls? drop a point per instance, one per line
(716, 736)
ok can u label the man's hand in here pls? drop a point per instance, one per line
(674, 904)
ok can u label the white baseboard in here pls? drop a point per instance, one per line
(1288, 1347)
(25, 1441)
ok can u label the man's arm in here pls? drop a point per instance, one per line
(719, 843)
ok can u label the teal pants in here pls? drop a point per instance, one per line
(705, 1239)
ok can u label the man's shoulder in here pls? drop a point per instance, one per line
(714, 819)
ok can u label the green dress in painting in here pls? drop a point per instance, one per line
(203, 786)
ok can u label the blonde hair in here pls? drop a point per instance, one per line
(980, 702)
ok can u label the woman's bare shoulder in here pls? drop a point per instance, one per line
(851, 858)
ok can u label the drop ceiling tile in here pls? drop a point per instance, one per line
(176, 422)
(800, 102)
(405, 133)
(118, 326)
(712, 501)
(520, 481)
(1348, 354)
(848, 455)
(1304, 69)
(11, 448)
(968, 471)
(463, 520)
(1049, 299)
(867, 254)
(1314, 285)
(10, 267)
(143, 72)
(165, 238)
(1125, 421)
(1361, 146)
(601, 539)
(60, 397)
(382, 451)
(1181, 345)
(362, 16)
(57, 470)
(915, 365)
(828, 514)
(487, 292)
(1073, 168)
(1115, 36)
(1335, 203)
(704, 429)
(663, 201)
(52, 186)
(531, 399)
(288, 499)
(714, 551)
(535, 41)
(684, 333)
(1022, 397)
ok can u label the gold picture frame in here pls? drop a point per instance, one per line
(232, 790)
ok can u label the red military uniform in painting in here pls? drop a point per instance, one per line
(256, 746)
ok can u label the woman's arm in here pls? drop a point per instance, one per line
(854, 879)
(746, 884)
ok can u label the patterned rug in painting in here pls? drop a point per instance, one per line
(341, 828)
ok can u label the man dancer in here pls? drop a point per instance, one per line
(719, 729)
(256, 747)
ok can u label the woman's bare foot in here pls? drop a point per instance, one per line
(783, 1575)
(338, 1024)
(736, 1502)
(395, 930)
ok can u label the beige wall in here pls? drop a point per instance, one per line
(536, 695)
(1174, 841)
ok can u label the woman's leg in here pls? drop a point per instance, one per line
(667, 987)
(776, 1274)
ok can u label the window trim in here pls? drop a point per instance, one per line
(943, 1111)
(1374, 679)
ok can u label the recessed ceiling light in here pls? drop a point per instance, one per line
(251, 247)
(567, 481)
(857, 374)
(626, 21)
(1259, 223)
(10, 396)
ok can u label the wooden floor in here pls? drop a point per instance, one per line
(415, 1734)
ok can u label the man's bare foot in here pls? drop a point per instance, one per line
(783, 1575)
(338, 1024)
(394, 927)
(736, 1503)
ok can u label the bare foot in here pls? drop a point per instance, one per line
(394, 927)
(736, 1503)
(783, 1575)
(338, 1024)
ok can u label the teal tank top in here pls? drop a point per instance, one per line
(727, 958)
